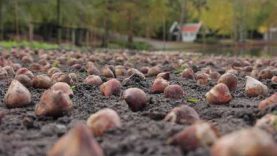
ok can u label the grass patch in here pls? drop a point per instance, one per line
(34, 45)
(192, 100)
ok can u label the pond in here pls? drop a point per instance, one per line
(257, 51)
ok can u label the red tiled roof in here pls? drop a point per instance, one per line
(190, 27)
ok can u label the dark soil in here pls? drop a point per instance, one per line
(143, 133)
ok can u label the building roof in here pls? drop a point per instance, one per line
(191, 27)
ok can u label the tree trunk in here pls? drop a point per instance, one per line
(31, 31)
(1, 21)
(16, 19)
(59, 21)
(73, 40)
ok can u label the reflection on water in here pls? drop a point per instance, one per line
(258, 51)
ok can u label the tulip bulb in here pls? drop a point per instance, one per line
(202, 79)
(135, 98)
(182, 115)
(219, 94)
(188, 73)
(174, 92)
(107, 72)
(3, 74)
(63, 87)
(25, 71)
(272, 100)
(254, 87)
(268, 123)
(78, 141)
(93, 80)
(42, 81)
(17, 95)
(111, 87)
(102, 121)
(246, 142)
(200, 134)
(265, 74)
(230, 80)
(214, 76)
(120, 71)
(164, 75)
(159, 85)
(274, 79)
(24, 79)
(153, 71)
(53, 103)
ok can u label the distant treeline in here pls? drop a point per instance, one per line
(92, 22)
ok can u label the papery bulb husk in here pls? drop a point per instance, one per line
(164, 75)
(135, 98)
(182, 115)
(188, 74)
(219, 95)
(102, 121)
(120, 71)
(63, 87)
(107, 72)
(246, 142)
(24, 79)
(268, 123)
(159, 85)
(254, 87)
(42, 81)
(174, 92)
(153, 71)
(53, 103)
(93, 80)
(230, 80)
(202, 79)
(200, 134)
(77, 142)
(111, 87)
(272, 100)
(17, 95)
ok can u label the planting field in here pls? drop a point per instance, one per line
(144, 128)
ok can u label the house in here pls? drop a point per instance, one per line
(186, 33)
(271, 34)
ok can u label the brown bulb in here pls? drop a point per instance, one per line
(120, 71)
(174, 92)
(102, 121)
(254, 87)
(272, 100)
(135, 98)
(274, 79)
(219, 94)
(111, 87)
(182, 115)
(159, 85)
(63, 87)
(230, 80)
(107, 72)
(25, 71)
(53, 103)
(24, 79)
(200, 134)
(42, 81)
(17, 95)
(188, 74)
(53, 70)
(214, 76)
(153, 71)
(202, 79)
(268, 123)
(93, 80)
(246, 142)
(77, 142)
(265, 74)
(164, 75)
